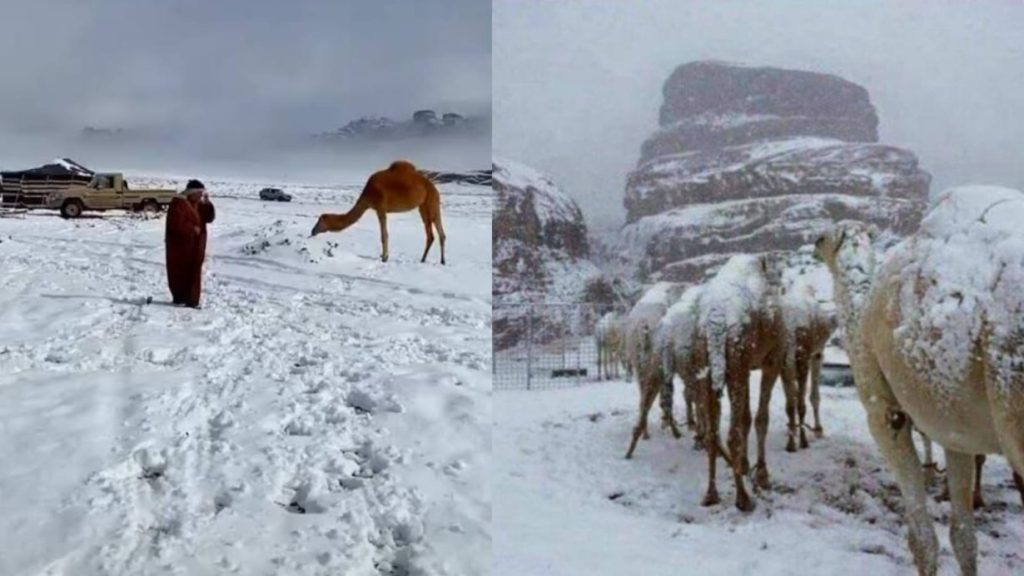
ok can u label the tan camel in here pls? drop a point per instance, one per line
(669, 351)
(643, 360)
(399, 188)
(936, 339)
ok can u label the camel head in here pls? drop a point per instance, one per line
(845, 234)
(319, 228)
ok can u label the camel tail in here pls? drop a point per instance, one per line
(717, 341)
(668, 357)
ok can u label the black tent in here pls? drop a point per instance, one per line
(30, 187)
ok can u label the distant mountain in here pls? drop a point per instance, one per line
(540, 255)
(754, 159)
(422, 123)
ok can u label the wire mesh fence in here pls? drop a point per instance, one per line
(541, 346)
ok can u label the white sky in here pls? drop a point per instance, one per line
(577, 84)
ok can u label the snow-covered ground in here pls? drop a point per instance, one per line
(324, 413)
(570, 504)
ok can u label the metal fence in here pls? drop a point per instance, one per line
(541, 346)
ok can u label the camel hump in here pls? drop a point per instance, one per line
(401, 166)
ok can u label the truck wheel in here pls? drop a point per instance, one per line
(150, 207)
(71, 209)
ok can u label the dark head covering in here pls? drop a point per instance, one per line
(194, 185)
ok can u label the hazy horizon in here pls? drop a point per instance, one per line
(576, 95)
(233, 82)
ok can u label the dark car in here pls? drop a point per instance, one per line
(275, 195)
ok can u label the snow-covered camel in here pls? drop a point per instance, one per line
(610, 346)
(807, 327)
(936, 338)
(739, 318)
(643, 359)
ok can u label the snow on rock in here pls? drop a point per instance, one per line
(754, 159)
(319, 415)
(540, 250)
(959, 275)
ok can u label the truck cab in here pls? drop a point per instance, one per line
(108, 191)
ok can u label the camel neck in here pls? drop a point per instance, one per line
(853, 276)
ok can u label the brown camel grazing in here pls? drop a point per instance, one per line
(936, 339)
(399, 188)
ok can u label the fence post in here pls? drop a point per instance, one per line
(529, 344)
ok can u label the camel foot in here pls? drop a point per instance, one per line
(698, 444)
(673, 428)
(647, 435)
(791, 445)
(711, 498)
(979, 502)
(819, 432)
(744, 503)
(761, 476)
(803, 442)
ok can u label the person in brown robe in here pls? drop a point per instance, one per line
(185, 241)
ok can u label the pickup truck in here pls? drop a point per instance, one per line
(108, 191)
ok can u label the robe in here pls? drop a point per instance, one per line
(185, 242)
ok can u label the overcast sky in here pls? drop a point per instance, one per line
(577, 84)
(234, 71)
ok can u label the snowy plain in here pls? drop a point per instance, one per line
(571, 504)
(323, 413)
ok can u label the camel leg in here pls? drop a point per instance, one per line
(979, 461)
(711, 442)
(737, 385)
(382, 217)
(960, 472)
(428, 225)
(893, 437)
(769, 374)
(688, 401)
(647, 395)
(801, 399)
(819, 432)
(1019, 481)
(789, 389)
(930, 467)
(440, 232)
(700, 416)
(667, 397)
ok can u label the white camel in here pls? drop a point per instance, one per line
(936, 339)
(610, 346)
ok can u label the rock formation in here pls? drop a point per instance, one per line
(540, 255)
(756, 159)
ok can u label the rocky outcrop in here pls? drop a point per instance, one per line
(540, 255)
(757, 159)
(423, 123)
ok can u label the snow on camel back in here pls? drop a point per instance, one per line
(738, 291)
(959, 275)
